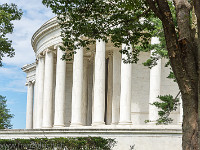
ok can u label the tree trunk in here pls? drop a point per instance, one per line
(190, 125)
(182, 51)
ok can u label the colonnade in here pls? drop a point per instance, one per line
(49, 103)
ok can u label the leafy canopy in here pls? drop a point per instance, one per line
(84, 21)
(5, 115)
(8, 13)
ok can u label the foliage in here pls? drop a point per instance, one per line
(83, 22)
(5, 115)
(8, 13)
(166, 105)
(84, 143)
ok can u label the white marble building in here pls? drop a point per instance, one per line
(95, 90)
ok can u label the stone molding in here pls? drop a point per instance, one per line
(47, 27)
(28, 67)
(143, 137)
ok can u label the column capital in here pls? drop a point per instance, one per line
(91, 57)
(39, 56)
(36, 61)
(49, 51)
(33, 81)
(57, 45)
(109, 54)
(28, 83)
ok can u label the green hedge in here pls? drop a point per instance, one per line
(79, 143)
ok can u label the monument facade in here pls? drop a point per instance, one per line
(95, 90)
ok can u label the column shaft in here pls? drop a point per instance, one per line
(109, 91)
(29, 111)
(116, 86)
(59, 120)
(77, 91)
(125, 99)
(40, 90)
(154, 92)
(85, 92)
(48, 91)
(35, 96)
(99, 84)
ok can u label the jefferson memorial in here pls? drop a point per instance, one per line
(96, 94)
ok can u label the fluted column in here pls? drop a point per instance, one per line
(99, 84)
(116, 86)
(85, 91)
(29, 108)
(109, 89)
(48, 92)
(59, 120)
(35, 95)
(154, 92)
(77, 90)
(40, 90)
(125, 98)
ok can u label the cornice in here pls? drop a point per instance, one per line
(28, 67)
(49, 26)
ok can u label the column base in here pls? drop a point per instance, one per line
(98, 123)
(59, 126)
(114, 123)
(152, 123)
(125, 123)
(46, 127)
(76, 124)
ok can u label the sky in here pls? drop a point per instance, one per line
(12, 78)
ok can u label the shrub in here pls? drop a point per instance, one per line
(79, 143)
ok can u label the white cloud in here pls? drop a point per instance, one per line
(12, 79)
(35, 14)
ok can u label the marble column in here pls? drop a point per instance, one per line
(48, 92)
(181, 110)
(90, 92)
(154, 92)
(109, 89)
(29, 107)
(99, 84)
(125, 98)
(40, 90)
(85, 91)
(116, 86)
(35, 96)
(77, 91)
(60, 93)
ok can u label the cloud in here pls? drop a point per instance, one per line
(12, 79)
(35, 14)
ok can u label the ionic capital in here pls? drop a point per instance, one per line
(28, 83)
(56, 46)
(109, 54)
(39, 56)
(48, 51)
(33, 81)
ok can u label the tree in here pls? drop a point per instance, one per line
(131, 22)
(5, 115)
(8, 13)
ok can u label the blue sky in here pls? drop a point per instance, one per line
(12, 78)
